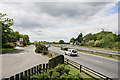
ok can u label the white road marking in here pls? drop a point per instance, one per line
(98, 56)
(97, 61)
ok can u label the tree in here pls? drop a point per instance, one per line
(79, 38)
(72, 40)
(5, 25)
(61, 42)
(89, 36)
(8, 35)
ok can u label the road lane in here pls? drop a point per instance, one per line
(108, 67)
(14, 63)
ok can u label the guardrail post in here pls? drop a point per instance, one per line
(80, 68)
(67, 61)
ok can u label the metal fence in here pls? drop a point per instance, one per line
(81, 68)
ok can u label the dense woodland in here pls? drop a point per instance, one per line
(8, 34)
(103, 39)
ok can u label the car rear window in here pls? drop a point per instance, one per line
(74, 51)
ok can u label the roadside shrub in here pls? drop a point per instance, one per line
(110, 45)
(91, 43)
(45, 51)
(60, 72)
(83, 44)
(9, 45)
(116, 45)
(97, 43)
(102, 43)
(40, 48)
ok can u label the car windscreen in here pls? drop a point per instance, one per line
(74, 51)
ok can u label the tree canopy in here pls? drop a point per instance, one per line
(8, 34)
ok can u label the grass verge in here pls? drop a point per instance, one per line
(93, 48)
(100, 54)
(8, 49)
(84, 74)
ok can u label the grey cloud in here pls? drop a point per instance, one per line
(30, 15)
(71, 9)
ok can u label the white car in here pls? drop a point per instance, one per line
(71, 52)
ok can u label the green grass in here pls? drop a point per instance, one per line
(91, 47)
(8, 49)
(75, 71)
(100, 54)
(84, 74)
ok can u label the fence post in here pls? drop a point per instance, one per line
(28, 74)
(43, 67)
(46, 67)
(67, 61)
(40, 68)
(32, 71)
(107, 78)
(5, 79)
(17, 77)
(25, 72)
(80, 68)
(12, 78)
(37, 69)
(21, 76)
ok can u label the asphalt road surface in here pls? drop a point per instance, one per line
(106, 66)
(25, 58)
(97, 50)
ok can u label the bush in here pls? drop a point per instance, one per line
(116, 45)
(60, 72)
(45, 51)
(40, 48)
(97, 43)
(83, 44)
(110, 45)
(9, 45)
(91, 43)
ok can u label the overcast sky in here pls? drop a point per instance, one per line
(53, 21)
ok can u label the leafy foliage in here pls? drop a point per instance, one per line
(8, 35)
(79, 38)
(72, 40)
(61, 42)
(91, 43)
(40, 48)
(104, 39)
(60, 72)
(9, 45)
